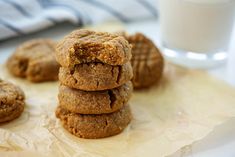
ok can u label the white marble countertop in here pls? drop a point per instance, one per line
(219, 143)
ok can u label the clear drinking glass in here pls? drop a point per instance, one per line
(196, 32)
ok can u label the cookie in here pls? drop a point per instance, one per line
(95, 126)
(95, 76)
(11, 101)
(95, 102)
(35, 61)
(85, 46)
(147, 61)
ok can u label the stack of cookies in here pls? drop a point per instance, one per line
(95, 83)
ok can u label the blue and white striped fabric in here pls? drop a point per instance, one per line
(19, 17)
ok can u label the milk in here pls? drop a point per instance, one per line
(200, 26)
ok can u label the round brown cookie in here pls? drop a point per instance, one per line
(147, 61)
(11, 101)
(85, 46)
(95, 126)
(95, 76)
(35, 61)
(95, 102)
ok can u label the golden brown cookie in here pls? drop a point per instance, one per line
(35, 61)
(95, 126)
(147, 61)
(11, 101)
(85, 46)
(95, 102)
(95, 76)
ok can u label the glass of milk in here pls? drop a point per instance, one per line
(196, 33)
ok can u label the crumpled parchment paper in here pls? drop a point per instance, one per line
(183, 108)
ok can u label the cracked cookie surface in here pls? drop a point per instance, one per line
(35, 61)
(95, 76)
(94, 102)
(147, 61)
(95, 126)
(11, 101)
(85, 46)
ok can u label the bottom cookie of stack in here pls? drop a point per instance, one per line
(92, 126)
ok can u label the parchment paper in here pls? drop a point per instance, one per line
(183, 108)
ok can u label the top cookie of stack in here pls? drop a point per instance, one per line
(94, 61)
(85, 46)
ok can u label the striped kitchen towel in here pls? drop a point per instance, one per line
(19, 17)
